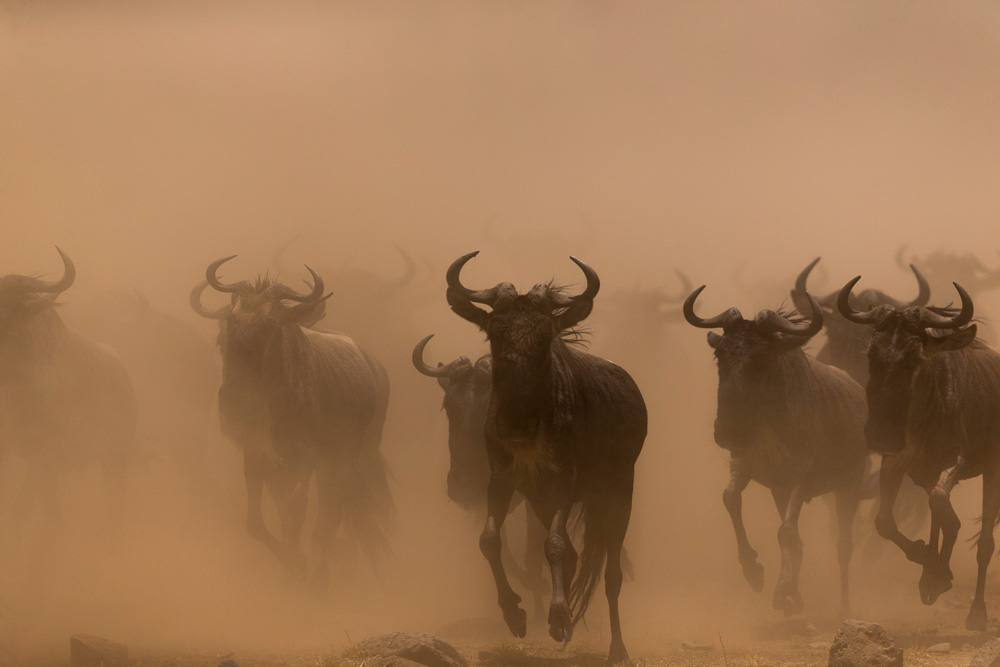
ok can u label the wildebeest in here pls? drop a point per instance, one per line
(467, 387)
(563, 427)
(943, 267)
(934, 414)
(846, 344)
(791, 423)
(301, 402)
(66, 402)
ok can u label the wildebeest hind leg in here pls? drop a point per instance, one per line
(330, 515)
(847, 508)
(253, 472)
(976, 620)
(498, 496)
(937, 577)
(891, 471)
(562, 558)
(732, 498)
(534, 560)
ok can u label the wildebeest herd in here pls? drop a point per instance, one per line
(541, 423)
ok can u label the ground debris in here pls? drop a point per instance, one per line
(696, 646)
(861, 644)
(401, 649)
(944, 647)
(988, 655)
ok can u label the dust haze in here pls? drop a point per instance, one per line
(734, 142)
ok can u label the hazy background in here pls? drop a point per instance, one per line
(732, 141)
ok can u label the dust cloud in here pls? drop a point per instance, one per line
(732, 141)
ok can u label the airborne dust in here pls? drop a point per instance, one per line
(732, 142)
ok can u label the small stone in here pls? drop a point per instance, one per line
(811, 629)
(861, 644)
(988, 655)
(966, 646)
(418, 647)
(696, 646)
(229, 663)
(820, 646)
(944, 647)
(92, 651)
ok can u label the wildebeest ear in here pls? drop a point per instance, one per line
(444, 382)
(575, 313)
(714, 339)
(465, 309)
(946, 342)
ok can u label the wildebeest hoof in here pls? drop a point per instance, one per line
(617, 655)
(560, 622)
(754, 574)
(517, 621)
(787, 599)
(976, 620)
(932, 585)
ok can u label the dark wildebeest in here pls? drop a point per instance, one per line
(300, 402)
(563, 427)
(934, 413)
(65, 400)
(467, 389)
(792, 424)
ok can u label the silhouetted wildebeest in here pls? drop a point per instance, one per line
(300, 402)
(173, 369)
(846, 345)
(944, 267)
(934, 413)
(467, 388)
(791, 423)
(563, 427)
(65, 401)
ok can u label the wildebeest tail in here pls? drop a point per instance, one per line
(592, 556)
(369, 510)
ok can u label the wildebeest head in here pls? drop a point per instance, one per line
(258, 310)
(902, 340)
(942, 267)
(24, 298)
(523, 330)
(467, 389)
(749, 353)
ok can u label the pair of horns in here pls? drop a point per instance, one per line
(277, 290)
(773, 321)
(830, 300)
(928, 317)
(489, 296)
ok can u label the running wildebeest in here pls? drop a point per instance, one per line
(301, 402)
(467, 388)
(563, 427)
(934, 414)
(791, 423)
(66, 402)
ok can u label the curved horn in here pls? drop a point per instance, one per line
(720, 320)
(487, 296)
(213, 280)
(195, 300)
(923, 294)
(930, 319)
(593, 281)
(799, 291)
(61, 285)
(780, 324)
(844, 305)
(442, 370)
(286, 293)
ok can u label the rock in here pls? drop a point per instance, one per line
(940, 648)
(696, 646)
(860, 644)
(988, 655)
(401, 649)
(91, 651)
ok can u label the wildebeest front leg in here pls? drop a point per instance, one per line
(616, 519)
(891, 471)
(937, 577)
(847, 508)
(534, 560)
(976, 619)
(786, 592)
(732, 498)
(498, 496)
(253, 472)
